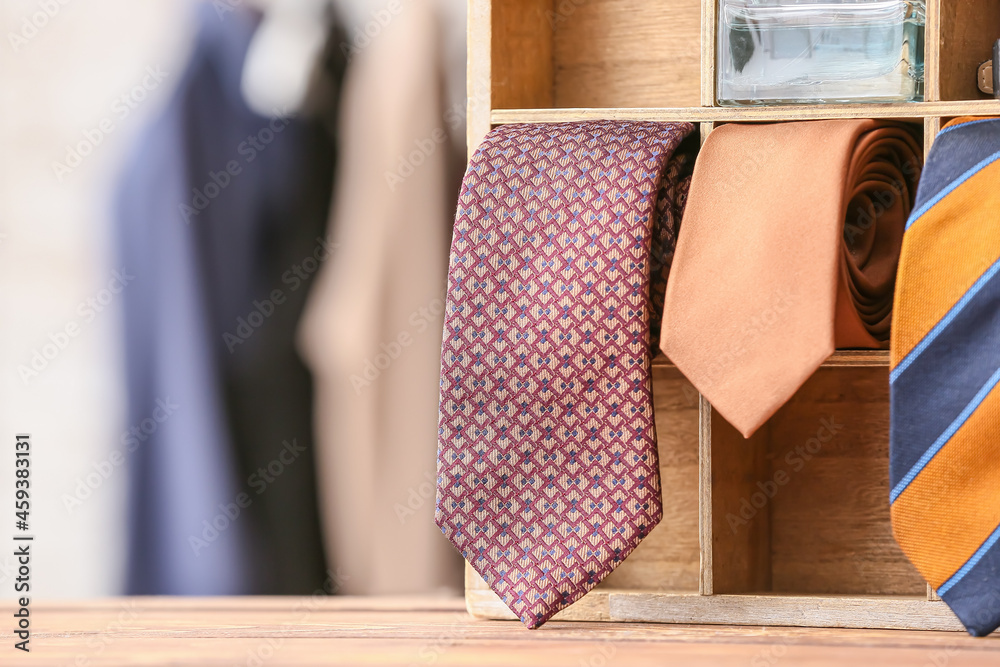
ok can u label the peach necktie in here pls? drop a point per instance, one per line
(788, 251)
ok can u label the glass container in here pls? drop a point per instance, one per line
(815, 51)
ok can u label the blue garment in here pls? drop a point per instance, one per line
(184, 470)
(216, 207)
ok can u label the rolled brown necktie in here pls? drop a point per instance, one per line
(788, 251)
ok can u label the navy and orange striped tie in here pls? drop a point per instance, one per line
(945, 378)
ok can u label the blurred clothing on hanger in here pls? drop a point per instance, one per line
(372, 328)
(222, 214)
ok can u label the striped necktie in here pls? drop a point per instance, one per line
(547, 463)
(945, 423)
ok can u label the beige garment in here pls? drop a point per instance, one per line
(788, 249)
(372, 328)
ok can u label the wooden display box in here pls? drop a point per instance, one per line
(790, 527)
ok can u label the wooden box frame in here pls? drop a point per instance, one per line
(750, 535)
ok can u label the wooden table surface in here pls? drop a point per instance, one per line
(416, 631)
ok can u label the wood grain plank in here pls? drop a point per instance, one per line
(968, 31)
(706, 584)
(478, 74)
(447, 649)
(932, 52)
(741, 530)
(353, 617)
(830, 525)
(708, 51)
(751, 114)
(627, 53)
(521, 53)
(932, 126)
(375, 631)
(907, 613)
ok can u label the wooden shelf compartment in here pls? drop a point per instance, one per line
(965, 32)
(615, 54)
(802, 506)
(820, 551)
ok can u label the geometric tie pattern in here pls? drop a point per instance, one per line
(945, 377)
(547, 466)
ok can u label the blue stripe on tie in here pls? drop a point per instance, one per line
(971, 563)
(946, 436)
(974, 597)
(945, 321)
(916, 215)
(966, 124)
(953, 153)
(942, 380)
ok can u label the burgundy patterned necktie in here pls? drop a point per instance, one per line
(547, 466)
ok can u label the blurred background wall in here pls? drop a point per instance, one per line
(80, 82)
